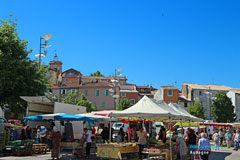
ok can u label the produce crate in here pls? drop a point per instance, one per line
(15, 143)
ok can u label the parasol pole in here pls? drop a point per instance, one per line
(170, 139)
(110, 130)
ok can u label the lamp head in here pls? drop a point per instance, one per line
(47, 36)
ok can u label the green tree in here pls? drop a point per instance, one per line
(72, 98)
(197, 110)
(97, 74)
(124, 104)
(19, 76)
(222, 109)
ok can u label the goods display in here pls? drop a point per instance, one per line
(117, 151)
(20, 147)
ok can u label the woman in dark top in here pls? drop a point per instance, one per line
(162, 134)
(27, 133)
(105, 134)
(192, 141)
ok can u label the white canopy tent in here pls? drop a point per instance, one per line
(149, 110)
(182, 111)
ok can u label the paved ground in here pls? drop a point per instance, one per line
(222, 154)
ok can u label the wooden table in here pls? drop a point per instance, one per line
(39, 148)
(72, 145)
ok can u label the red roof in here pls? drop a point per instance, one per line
(217, 124)
(143, 87)
(54, 86)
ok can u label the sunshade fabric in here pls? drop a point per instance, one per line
(103, 113)
(58, 116)
(181, 110)
(99, 118)
(148, 110)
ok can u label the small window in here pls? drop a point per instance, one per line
(66, 79)
(106, 92)
(73, 90)
(97, 93)
(170, 92)
(103, 104)
(200, 93)
(63, 91)
(95, 104)
(86, 93)
(133, 101)
(185, 104)
(123, 94)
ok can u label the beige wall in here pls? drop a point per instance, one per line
(108, 100)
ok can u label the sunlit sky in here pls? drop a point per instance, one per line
(158, 42)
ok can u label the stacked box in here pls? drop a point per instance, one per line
(2, 142)
(6, 137)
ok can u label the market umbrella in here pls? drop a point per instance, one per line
(58, 116)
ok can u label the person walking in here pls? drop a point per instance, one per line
(228, 138)
(142, 140)
(221, 135)
(55, 138)
(87, 135)
(204, 146)
(236, 140)
(181, 145)
(191, 142)
(216, 140)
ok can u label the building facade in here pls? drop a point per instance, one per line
(234, 95)
(202, 93)
(129, 91)
(167, 93)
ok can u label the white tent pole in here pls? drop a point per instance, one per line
(110, 130)
(170, 138)
(182, 127)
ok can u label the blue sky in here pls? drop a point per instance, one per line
(156, 42)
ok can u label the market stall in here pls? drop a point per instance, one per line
(69, 141)
(146, 109)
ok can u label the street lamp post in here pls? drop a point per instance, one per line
(115, 81)
(43, 45)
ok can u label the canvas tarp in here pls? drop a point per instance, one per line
(149, 110)
(181, 110)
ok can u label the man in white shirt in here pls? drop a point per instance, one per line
(88, 139)
(42, 134)
(236, 140)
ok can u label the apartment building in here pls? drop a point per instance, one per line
(130, 92)
(202, 93)
(167, 93)
(234, 95)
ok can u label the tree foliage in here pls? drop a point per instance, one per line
(72, 98)
(19, 76)
(97, 74)
(124, 104)
(197, 110)
(222, 109)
